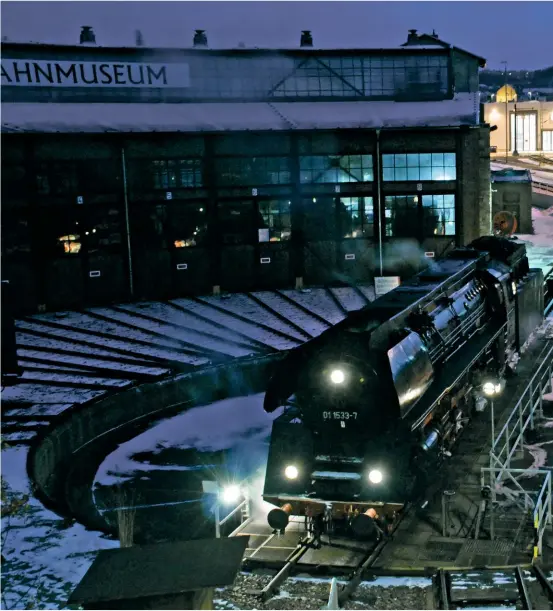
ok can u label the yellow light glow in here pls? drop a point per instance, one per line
(337, 376)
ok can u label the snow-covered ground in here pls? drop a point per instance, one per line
(540, 245)
(44, 557)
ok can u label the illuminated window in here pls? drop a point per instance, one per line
(187, 224)
(547, 139)
(356, 216)
(438, 215)
(71, 245)
(336, 168)
(276, 221)
(252, 171)
(176, 173)
(419, 167)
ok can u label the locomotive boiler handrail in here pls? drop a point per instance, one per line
(539, 382)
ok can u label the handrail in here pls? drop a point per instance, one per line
(543, 186)
(539, 381)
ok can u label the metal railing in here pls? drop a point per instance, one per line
(510, 441)
(511, 437)
(542, 186)
(540, 501)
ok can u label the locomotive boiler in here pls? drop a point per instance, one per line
(374, 404)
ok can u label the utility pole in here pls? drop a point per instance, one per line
(506, 116)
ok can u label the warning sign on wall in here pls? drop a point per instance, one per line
(385, 284)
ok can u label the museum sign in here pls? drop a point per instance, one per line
(41, 73)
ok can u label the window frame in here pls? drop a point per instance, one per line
(403, 168)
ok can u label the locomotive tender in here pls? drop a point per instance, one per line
(374, 404)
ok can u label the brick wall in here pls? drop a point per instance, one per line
(474, 187)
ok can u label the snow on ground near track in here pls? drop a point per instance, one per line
(540, 245)
(319, 302)
(154, 348)
(349, 298)
(192, 330)
(54, 377)
(45, 556)
(252, 331)
(86, 361)
(36, 393)
(242, 305)
(236, 423)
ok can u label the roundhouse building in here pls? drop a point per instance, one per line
(157, 173)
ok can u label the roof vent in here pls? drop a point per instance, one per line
(200, 38)
(87, 35)
(434, 35)
(413, 36)
(306, 39)
(138, 38)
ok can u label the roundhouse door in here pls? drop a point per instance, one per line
(237, 234)
(273, 250)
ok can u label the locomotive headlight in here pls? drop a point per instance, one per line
(375, 476)
(291, 472)
(337, 376)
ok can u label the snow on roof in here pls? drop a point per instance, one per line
(511, 175)
(258, 116)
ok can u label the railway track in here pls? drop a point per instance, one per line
(519, 587)
(353, 578)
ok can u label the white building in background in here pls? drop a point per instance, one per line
(530, 123)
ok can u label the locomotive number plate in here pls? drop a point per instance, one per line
(339, 415)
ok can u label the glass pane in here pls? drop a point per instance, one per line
(413, 173)
(425, 160)
(450, 173)
(437, 159)
(388, 174)
(187, 226)
(426, 173)
(401, 174)
(400, 161)
(449, 201)
(449, 159)
(438, 173)
(413, 160)
(387, 161)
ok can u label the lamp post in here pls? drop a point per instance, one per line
(491, 389)
(506, 115)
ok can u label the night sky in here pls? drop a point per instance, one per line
(519, 32)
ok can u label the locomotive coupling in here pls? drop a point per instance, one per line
(279, 517)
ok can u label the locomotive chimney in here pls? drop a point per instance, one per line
(87, 35)
(306, 39)
(200, 39)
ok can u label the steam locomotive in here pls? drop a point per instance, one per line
(374, 404)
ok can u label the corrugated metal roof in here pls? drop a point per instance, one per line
(230, 116)
(156, 570)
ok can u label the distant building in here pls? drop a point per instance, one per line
(157, 173)
(534, 126)
(506, 94)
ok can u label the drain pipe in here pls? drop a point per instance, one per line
(127, 223)
(378, 198)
